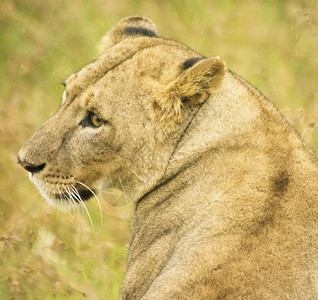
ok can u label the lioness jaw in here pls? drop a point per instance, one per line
(225, 191)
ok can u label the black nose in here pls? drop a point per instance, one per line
(31, 167)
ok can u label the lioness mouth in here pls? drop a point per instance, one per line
(80, 195)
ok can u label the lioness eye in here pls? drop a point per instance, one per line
(92, 120)
(96, 121)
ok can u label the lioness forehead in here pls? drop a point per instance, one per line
(159, 58)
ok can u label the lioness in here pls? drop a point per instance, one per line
(225, 190)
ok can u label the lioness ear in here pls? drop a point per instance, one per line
(193, 85)
(128, 28)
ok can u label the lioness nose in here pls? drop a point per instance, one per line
(31, 167)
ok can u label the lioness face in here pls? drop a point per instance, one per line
(120, 118)
(100, 136)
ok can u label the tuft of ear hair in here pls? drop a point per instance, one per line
(193, 86)
(129, 27)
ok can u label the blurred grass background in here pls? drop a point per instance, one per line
(47, 254)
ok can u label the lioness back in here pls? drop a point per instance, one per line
(225, 190)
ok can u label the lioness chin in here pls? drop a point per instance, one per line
(225, 190)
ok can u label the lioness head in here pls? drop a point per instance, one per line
(121, 116)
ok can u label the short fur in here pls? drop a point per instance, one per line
(225, 190)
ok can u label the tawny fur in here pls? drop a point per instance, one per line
(225, 190)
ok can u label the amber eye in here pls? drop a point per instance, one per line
(92, 120)
(95, 120)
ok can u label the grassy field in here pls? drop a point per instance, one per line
(47, 254)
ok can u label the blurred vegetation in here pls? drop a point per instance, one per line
(47, 254)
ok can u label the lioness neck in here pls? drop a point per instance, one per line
(222, 213)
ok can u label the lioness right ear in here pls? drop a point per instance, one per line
(193, 85)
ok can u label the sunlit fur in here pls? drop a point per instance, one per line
(225, 190)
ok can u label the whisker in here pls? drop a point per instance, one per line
(93, 193)
(72, 202)
(138, 176)
(70, 198)
(74, 205)
(70, 193)
(78, 196)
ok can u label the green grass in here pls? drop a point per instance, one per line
(47, 254)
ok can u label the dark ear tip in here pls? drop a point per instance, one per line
(138, 26)
(187, 64)
(129, 27)
(139, 31)
(215, 63)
